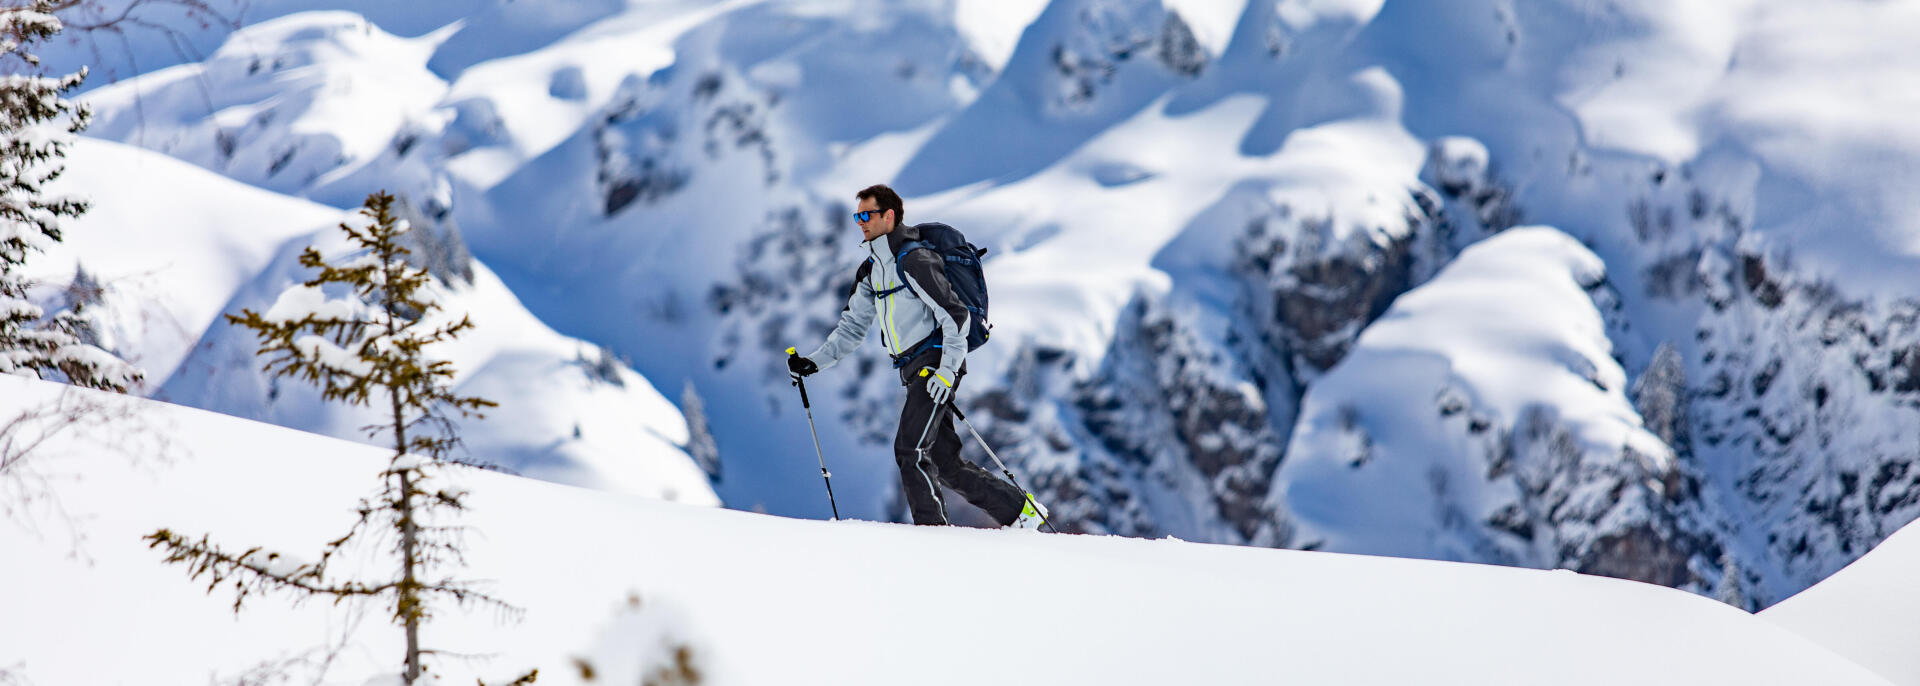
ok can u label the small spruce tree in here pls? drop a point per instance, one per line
(32, 154)
(700, 443)
(1731, 589)
(367, 349)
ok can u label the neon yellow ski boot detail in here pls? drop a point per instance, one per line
(1032, 514)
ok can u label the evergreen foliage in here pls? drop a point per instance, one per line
(367, 348)
(1731, 590)
(31, 156)
(700, 443)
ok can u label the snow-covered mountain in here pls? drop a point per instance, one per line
(620, 589)
(1254, 267)
(168, 248)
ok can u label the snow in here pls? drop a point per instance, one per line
(166, 284)
(300, 99)
(609, 579)
(1459, 162)
(302, 302)
(15, 308)
(332, 357)
(518, 87)
(1810, 95)
(20, 19)
(28, 233)
(1789, 118)
(1864, 611)
(545, 392)
(104, 365)
(167, 290)
(993, 27)
(1507, 327)
(284, 564)
(1184, 165)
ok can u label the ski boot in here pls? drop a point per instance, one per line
(1030, 517)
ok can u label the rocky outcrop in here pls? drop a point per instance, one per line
(644, 140)
(1173, 401)
(635, 153)
(1620, 513)
(1035, 430)
(1795, 397)
(1109, 33)
(1313, 288)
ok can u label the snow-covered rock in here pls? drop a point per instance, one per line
(1484, 418)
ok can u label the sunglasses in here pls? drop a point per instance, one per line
(866, 216)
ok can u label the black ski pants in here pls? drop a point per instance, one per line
(940, 463)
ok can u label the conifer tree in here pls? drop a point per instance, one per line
(32, 154)
(367, 348)
(700, 443)
(1730, 590)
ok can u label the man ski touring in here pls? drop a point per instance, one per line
(924, 326)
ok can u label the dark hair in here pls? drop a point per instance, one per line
(886, 199)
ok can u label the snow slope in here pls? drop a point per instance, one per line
(619, 582)
(1864, 611)
(568, 412)
(283, 104)
(171, 244)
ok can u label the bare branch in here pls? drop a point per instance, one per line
(33, 442)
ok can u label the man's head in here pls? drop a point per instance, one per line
(882, 209)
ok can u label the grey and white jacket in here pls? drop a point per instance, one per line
(905, 316)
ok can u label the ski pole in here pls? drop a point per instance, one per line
(1003, 466)
(824, 474)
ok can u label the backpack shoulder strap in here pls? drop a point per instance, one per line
(900, 259)
(860, 275)
(911, 246)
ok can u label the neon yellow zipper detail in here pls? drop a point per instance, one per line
(886, 309)
(892, 332)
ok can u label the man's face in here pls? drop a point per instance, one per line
(877, 224)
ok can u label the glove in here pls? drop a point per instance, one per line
(938, 387)
(798, 366)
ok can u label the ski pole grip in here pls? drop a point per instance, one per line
(962, 416)
(804, 402)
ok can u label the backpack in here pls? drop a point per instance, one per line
(963, 272)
